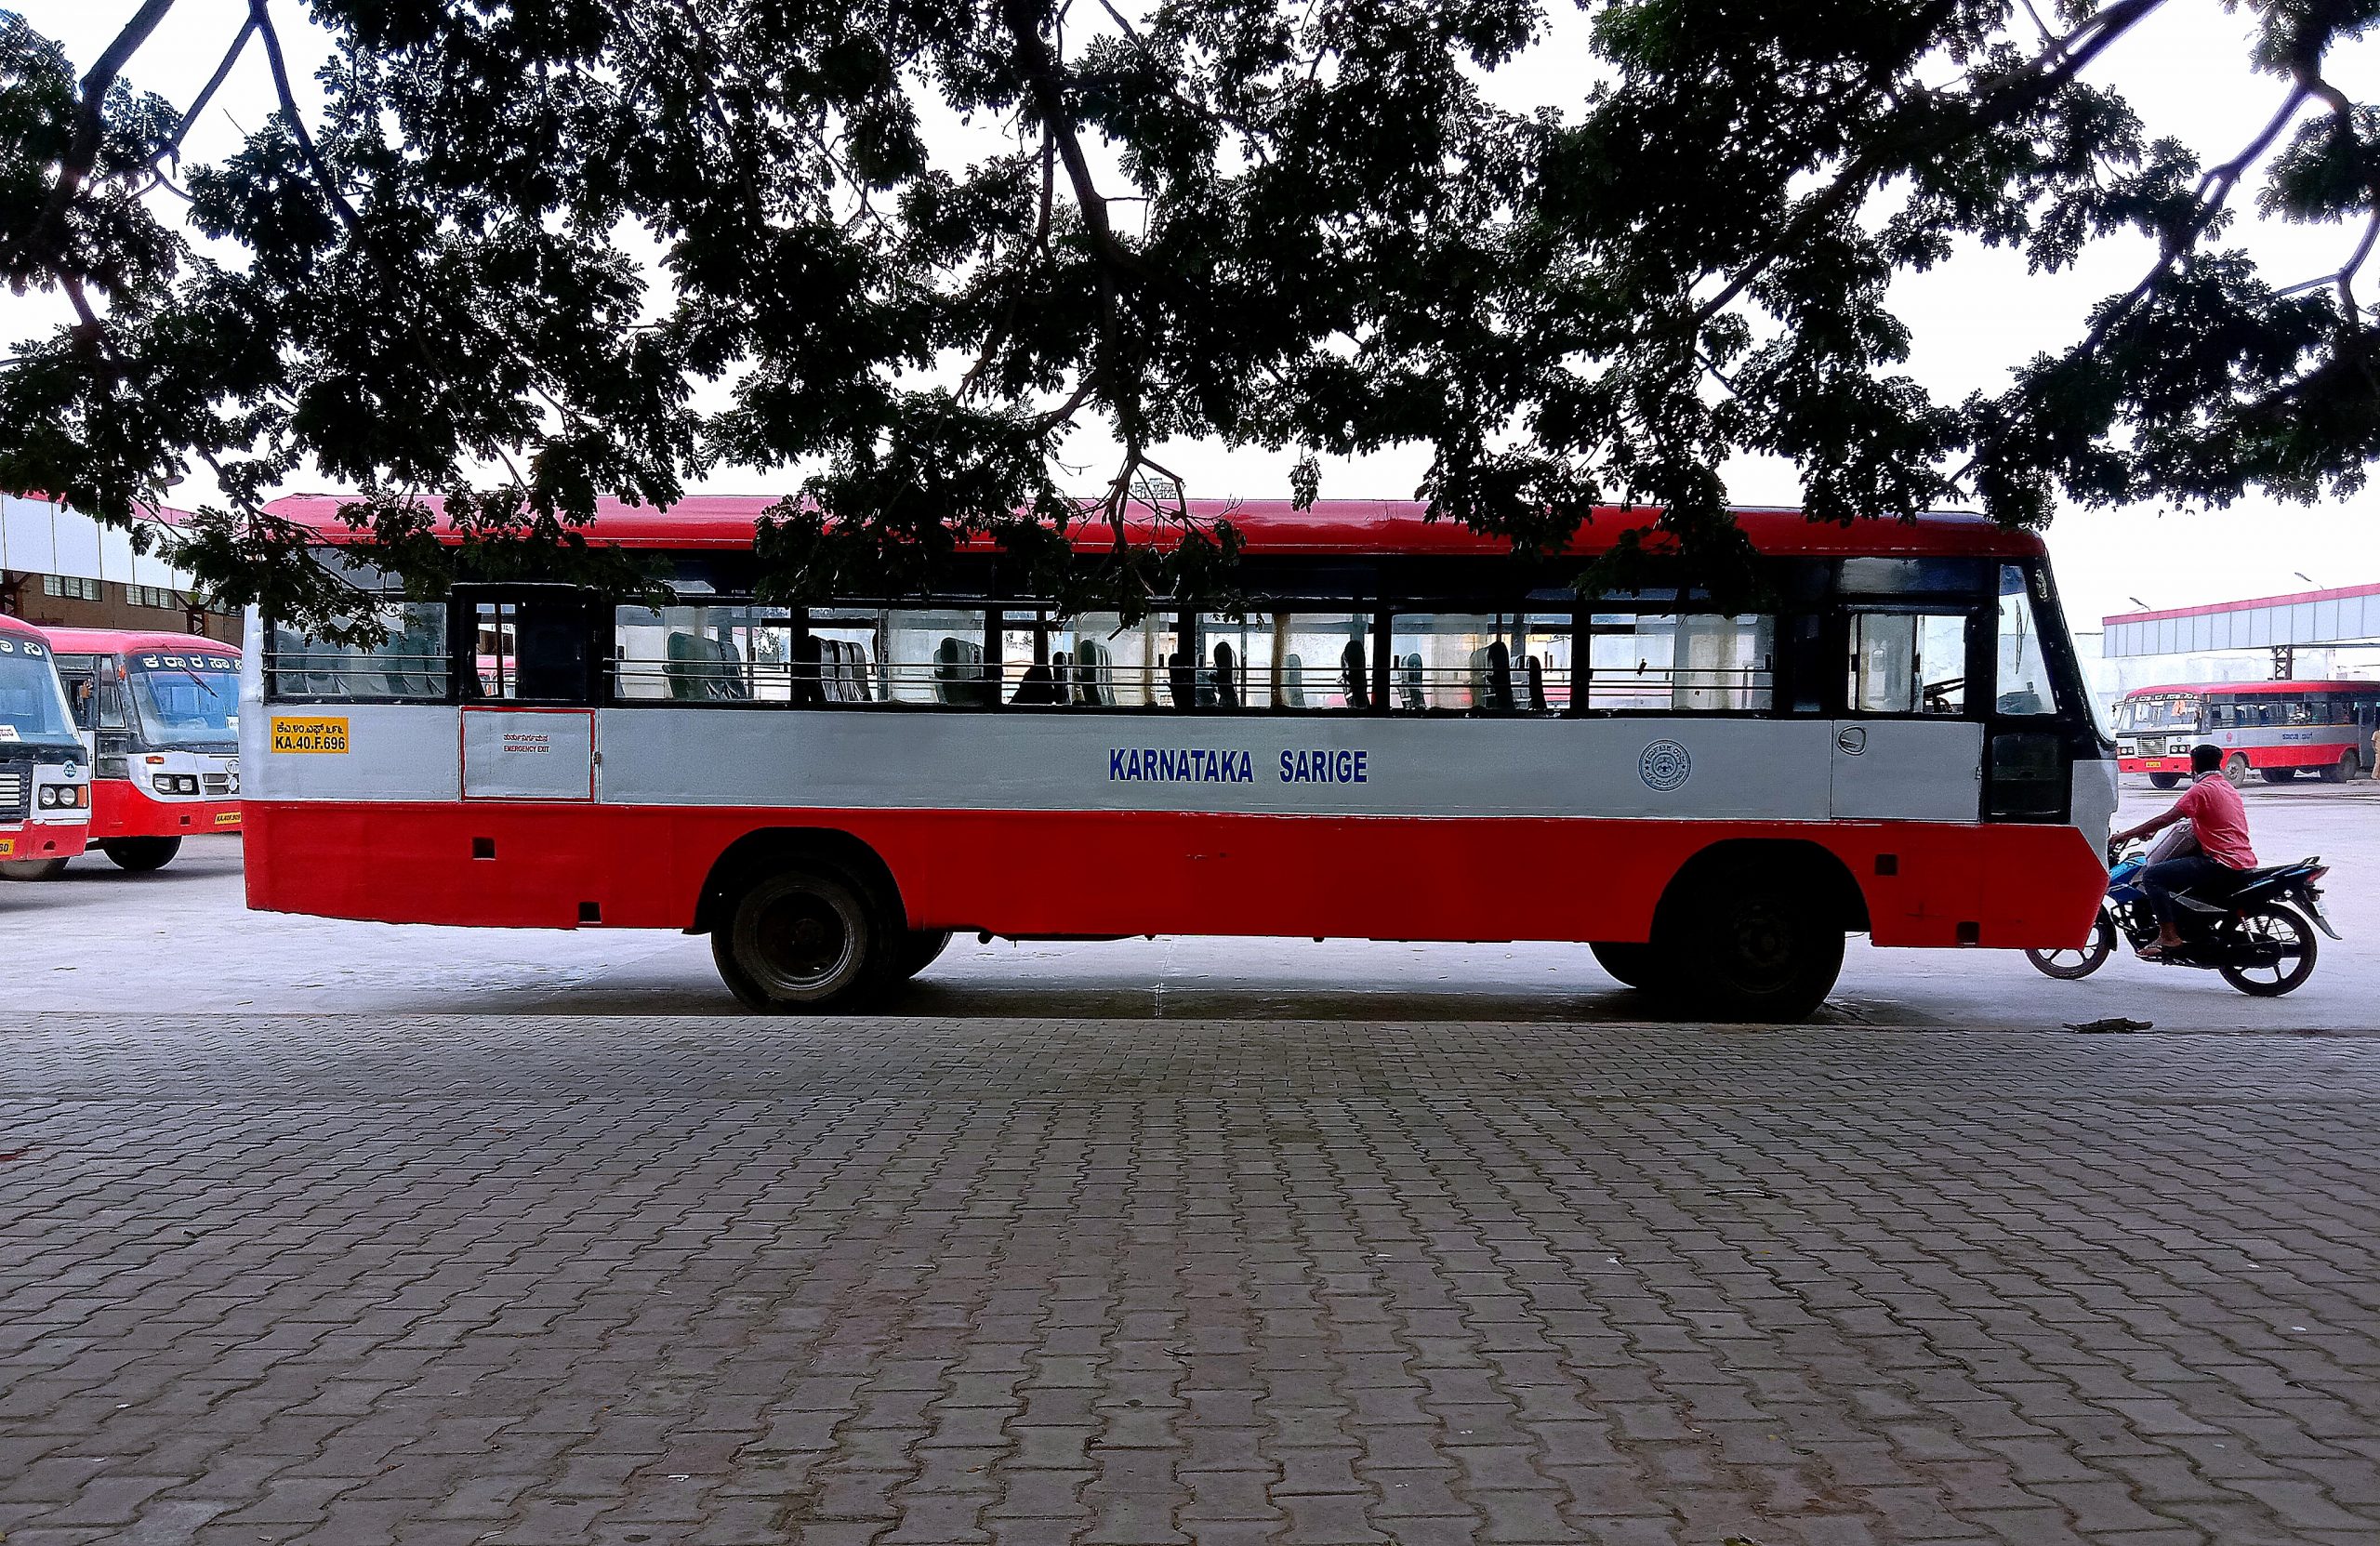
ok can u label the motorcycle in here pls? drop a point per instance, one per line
(2258, 938)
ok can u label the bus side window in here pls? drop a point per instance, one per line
(1909, 663)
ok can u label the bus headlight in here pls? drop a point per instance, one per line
(49, 794)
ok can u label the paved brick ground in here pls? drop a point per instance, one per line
(356, 1279)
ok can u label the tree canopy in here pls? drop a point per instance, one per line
(899, 250)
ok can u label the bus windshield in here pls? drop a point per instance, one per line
(32, 706)
(2166, 711)
(186, 700)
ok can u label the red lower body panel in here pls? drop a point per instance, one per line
(37, 840)
(1088, 873)
(119, 808)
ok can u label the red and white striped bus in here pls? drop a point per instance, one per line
(2276, 729)
(1404, 734)
(161, 715)
(44, 776)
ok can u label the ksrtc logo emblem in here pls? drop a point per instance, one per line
(1665, 766)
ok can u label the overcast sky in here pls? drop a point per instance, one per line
(1973, 319)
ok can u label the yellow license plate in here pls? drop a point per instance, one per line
(227, 818)
(310, 732)
(7, 847)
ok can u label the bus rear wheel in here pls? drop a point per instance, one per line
(33, 869)
(1753, 942)
(801, 940)
(2348, 767)
(2164, 781)
(139, 855)
(918, 949)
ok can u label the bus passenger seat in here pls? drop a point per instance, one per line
(1414, 699)
(1499, 678)
(1292, 682)
(1536, 686)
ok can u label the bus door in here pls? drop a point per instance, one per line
(1906, 747)
(528, 711)
(102, 715)
(2031, 751)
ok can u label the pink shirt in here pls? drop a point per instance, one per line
(2218, 820)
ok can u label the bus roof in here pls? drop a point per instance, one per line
(111, 641)
(1347, 527)
(2235, 689)
(20, 626)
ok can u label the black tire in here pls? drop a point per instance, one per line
(917, 950)
(803, 939)
(1636, 966)
(2072, 965)
(2235, 768)
(2348, 767)
(1750, 942)
(2164, 781)
(139, 855)
(33, 869)
(2277, 776)
(2288, 928)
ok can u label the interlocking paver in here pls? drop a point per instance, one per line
(909, 1282)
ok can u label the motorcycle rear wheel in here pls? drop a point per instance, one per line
(2069, 966)
(2273, 923)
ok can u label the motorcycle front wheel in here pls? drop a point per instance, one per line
(2285, 929)
(2069, 966)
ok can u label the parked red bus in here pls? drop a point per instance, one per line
(160, 714)
(44, 776)
(2276, 729)
(1407, 735)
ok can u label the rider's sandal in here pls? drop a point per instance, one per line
(2152, 951)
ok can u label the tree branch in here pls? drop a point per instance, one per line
(231, 57)
(2020, 89)
(91, 128)
(260, 14)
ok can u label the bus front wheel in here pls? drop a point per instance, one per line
(1750, 944)
(1634, 966)
(2235, 768)
(799, 940)
(33, 869)
(139, 855)
(2164, 781)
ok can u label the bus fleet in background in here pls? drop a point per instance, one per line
(2276, 730)
(112, 741)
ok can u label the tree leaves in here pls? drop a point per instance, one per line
(898, 253)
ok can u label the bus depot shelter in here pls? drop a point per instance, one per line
(2343, 616)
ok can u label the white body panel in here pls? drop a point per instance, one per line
(1651, 767)
(528, 753)
(1907, 770)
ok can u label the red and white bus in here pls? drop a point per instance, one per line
(44, 776)
(2276, 729)
(160, 713)
(1405, 734)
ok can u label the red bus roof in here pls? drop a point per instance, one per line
(115, 641)
(2234, 689)
(1331, 526)
(20, 626)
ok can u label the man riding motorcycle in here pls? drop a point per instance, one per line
(2219, 821)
